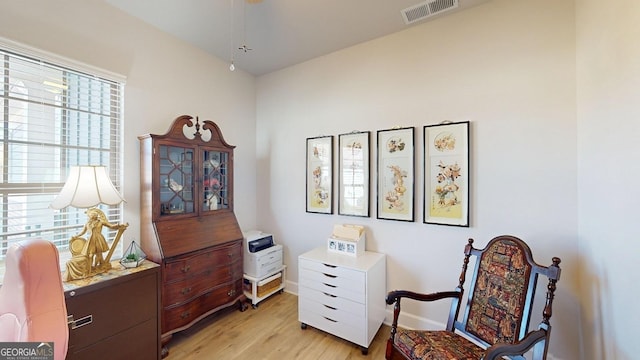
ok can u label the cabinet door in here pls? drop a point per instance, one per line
(176, 179)
(216, 180)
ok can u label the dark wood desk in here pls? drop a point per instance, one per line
(115, 315)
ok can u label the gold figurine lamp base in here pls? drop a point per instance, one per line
(88, 253)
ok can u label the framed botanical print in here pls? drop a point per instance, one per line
(446, 174)
(320, 175)
(395, 197)
(354, 173)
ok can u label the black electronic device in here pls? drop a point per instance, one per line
(260, 244)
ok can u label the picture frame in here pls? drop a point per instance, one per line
(319, 177)
(446, 174)
(345, 247)
(354, 173)
(396, 173)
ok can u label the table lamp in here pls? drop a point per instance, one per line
(86, 187)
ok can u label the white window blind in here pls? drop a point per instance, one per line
(53, 118)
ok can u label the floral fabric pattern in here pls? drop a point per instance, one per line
(436, 345)
(496, 310)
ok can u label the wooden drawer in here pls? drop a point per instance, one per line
(183, 315)
(185, 290)
(138, 344)
(183, 267)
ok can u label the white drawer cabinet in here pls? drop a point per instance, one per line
(342, 295)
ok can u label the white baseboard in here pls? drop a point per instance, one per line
(291, 287)
(411, 321)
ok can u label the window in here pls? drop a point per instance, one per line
(53, 117)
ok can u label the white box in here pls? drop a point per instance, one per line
(347, 240)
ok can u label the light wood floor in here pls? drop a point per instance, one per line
(269, 332)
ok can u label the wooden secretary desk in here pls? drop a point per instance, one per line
(187, 222)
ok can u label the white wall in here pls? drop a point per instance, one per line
(608, 49)
(506, 66)
(166, 78)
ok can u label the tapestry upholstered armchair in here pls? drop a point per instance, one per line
(495, 321)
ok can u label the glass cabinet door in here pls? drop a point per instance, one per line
(176, 180)
(215, 180)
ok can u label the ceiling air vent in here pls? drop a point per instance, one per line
(427, 9)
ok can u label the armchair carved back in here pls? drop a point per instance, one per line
(501, 296)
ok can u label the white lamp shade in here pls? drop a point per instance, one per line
(87, 186)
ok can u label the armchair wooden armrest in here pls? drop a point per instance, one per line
(536, 338)
(396, 295)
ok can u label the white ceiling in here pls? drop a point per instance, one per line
(280, 33)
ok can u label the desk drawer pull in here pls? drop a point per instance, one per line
(80, 322)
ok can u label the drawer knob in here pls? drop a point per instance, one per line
(231, 292)
(185, 268)
(185, 315)
(186, 291)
